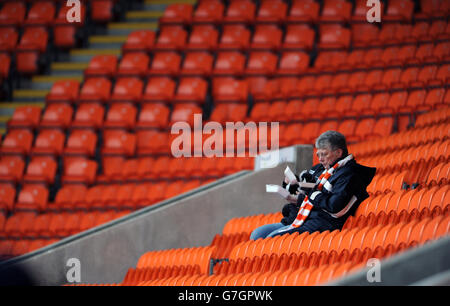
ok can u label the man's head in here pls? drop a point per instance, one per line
(331, 146)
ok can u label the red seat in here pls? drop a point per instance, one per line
(191, 90)
(81, 142)
(155, 115)
(33, 39)
(264, 63)
(32, 197)
(121, 115)
(233, 112)
(272, 11)
(89, 115)
(102, 65)
(184, 112)
(151, 142)
(304, 11)
(334, 37)
(336, 11)
(5, 66)
(360, 11)
(299, 37)
(229, 90)
(128, 89)
(118, 142)
(25, 117)
(41, 170)
(293, 63)
(49, 142)
(160, 89)
(17, 142)
(57, 115)
(399, 10)
(235, 37)
(171, 38)
(79, 170)
(41, 13)
(364, 35)
(64, 91)
(8, 39)
(11, 169)
(139, 41)
(209, 12)
(66, 34)
(7, 198)
(102, 10)
(13, 13)
(134, 64)
(177, 13)
(203, 37)
(266, 37)
(96, 90)
(229, 63)
(165, 63)
(240, 11)
(197, 63)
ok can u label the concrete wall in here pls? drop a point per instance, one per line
(106, 252)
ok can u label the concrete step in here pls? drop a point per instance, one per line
(125, 28)
(29, 95)
(107, 41)
(85, 55)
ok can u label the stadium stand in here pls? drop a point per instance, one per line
(86, 136)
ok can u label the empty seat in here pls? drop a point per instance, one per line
(240, 11)
(159, 89)
(261, 63)
(118, 142)
(203, 38)
(304, 11)
(41, 170)
(134, 64)
(11, 169)
(191, 90)
(399, 10)
(266, 37)
(139, 41)
(13, 13)
(102, 65)
(272, 11)
(128, 89)
(57, 115)
(185, 113)
(336, 11)
(334, 37)
(7, 198)
(230, 90)
(299, 37)
(89, 115)
(79, 170)
(41, 13)
(208, 12)
(121, 115)
(17, 142)
(64, 91)
(229, 63)
(25, 117)
(155, 115)
(177, 13)
(165, 63)
(96, 90)
(32, 197)
(171, 38)
(293, 63)
(150, 142)
(49, 142)
(8, 39)
(197, 63)
(81, 142)
(235, 37)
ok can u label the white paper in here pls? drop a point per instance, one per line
(290, 176)
(278, 189)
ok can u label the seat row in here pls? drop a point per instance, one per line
(435, 130)
(280, 11)
(286, 63)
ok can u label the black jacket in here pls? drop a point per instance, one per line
(331, 209)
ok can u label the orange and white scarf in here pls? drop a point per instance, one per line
(322, 182)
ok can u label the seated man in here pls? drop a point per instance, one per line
(340, 187)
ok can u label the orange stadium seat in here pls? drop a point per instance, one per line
(139, 41)
(240, 11)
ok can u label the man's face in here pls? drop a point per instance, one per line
(327, 156)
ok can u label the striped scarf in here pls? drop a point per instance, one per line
(307, 206)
